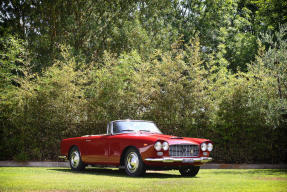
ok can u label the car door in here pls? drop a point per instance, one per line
(116, 144)
(96, 149)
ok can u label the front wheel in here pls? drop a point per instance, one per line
(134, 165)
(75, 160)
(189, 171)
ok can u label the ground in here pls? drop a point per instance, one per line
(62, 179)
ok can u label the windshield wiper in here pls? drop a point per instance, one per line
(145, 130)
(128, 130)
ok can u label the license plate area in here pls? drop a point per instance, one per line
(187, 160)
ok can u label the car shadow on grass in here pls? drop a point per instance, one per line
(118, 173)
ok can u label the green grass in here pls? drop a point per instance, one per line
(62, 179)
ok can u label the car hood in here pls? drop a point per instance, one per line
(172, 140)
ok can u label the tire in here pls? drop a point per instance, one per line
(75, 160)
(134, 165)
(189, 171)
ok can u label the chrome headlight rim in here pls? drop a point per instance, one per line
(203, 146)
(165, 146)
(209, 147)
(158, 146)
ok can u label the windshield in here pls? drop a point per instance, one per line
(134, 126)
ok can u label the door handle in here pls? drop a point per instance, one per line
(88, 140)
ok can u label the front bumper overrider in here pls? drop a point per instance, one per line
(180, 160)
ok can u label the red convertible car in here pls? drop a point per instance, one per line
(136, 146)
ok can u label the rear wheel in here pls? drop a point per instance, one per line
(134, 165)
(75, 160)
(189, 171)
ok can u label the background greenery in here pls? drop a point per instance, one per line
(215, 69)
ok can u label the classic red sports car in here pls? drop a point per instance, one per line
(136, 145)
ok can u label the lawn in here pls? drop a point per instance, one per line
(62, 179)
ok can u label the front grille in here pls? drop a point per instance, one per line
(183, 150)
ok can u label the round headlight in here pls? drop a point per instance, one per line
(203, 147)
(209, 147)
(165, 146)
(157, 146)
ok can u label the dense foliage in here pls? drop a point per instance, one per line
(214, 69)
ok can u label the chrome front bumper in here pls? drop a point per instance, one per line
(181, 160)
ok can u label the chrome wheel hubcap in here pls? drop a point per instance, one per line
(75, 159)
(132, 162)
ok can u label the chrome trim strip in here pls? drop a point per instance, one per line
(62, 157)
(182, 160)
